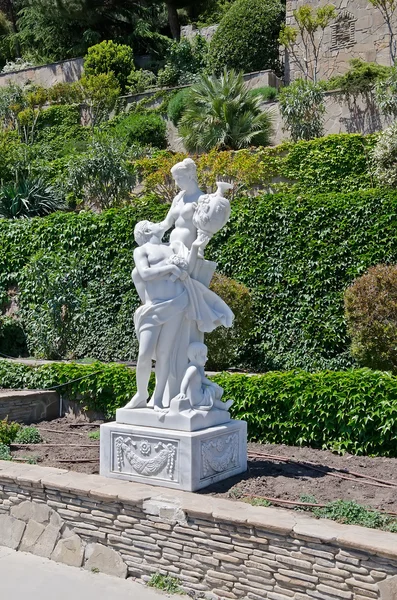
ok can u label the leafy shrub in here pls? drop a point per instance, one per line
(360, 78)
(145, 129)
(302, 108)
(167, 583)
(371, 314)
(108, 56)
(222, 114)
(140, 80)
(5, 452)
(386, 93)
(334, 163)
(186, 59)
(12, 337)
(351, 411)
(61, 115)
(247, 37)
(225, 345)
(28, 435)
(8, 431)
(265, 93)
(99, 95)
(352, 513)
(384, 157)
(102, 177)
(177, 105)
(28, 198)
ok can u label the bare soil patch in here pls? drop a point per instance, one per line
(68, 446)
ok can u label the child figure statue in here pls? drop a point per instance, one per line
(202, 393)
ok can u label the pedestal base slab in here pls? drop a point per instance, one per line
(182, 460)
(186, 420)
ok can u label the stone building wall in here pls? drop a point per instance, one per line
(217, 548)
(358, 32)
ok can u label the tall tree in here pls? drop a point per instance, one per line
(387, 8)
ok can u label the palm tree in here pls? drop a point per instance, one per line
(222, 114)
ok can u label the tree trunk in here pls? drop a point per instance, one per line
(173, 20)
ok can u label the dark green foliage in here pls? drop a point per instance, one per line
(12, 337)
(185, 60)
(103, 387)
(352, 513)
(107, 57)
(266, 93)
(146, 129)
(28, 197)
(302, 107)
(297, 254)
(59, 115)
(371, 315)
(247, 37)
(8, 430)
(352, 411)
(359, 79)
(222, 114)
(177, 105)
(28, 435)
(335, 163)
(225, 344)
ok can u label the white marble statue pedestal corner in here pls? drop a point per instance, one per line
(182, 460)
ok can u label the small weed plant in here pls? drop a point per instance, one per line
(94, 435)
(28, 435)
(167, 583)
(8, 432)
(5, 453)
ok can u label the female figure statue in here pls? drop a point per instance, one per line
(184, 204)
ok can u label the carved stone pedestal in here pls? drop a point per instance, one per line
(185, 460)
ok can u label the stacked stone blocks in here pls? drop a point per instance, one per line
(215, 547)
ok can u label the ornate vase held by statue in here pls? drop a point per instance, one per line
(213, 210)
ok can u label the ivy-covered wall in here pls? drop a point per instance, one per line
(296, 253)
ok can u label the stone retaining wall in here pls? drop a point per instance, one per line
(217, 548)
(28, 406)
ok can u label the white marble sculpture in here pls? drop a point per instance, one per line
(172, 282)
(183, 436)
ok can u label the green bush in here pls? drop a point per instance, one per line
(61, 115)
(108, 56)
(12, 337)
(5, 452)
(247, 37)
(359, 79)
(140, 80)
(371, 315)
(226, 344)
(28, 197)
(186, 59)
(384, 157)
(177, 105)
(145, 129)
(28, 435)
(352, 411)
(265, 93)
(8, 431)
(302, 107)
(352, 513)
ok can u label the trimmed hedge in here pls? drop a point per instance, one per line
(353, 411)
(296, 254)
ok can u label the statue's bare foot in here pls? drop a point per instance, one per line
(138, 401)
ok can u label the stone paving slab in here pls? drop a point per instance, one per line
(26, 576)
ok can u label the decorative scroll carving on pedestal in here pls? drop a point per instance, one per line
(219, 454)
(343, 31)
(146, 457)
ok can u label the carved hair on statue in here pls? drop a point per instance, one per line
(141, 233)
(186, 167)
(195, 349)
